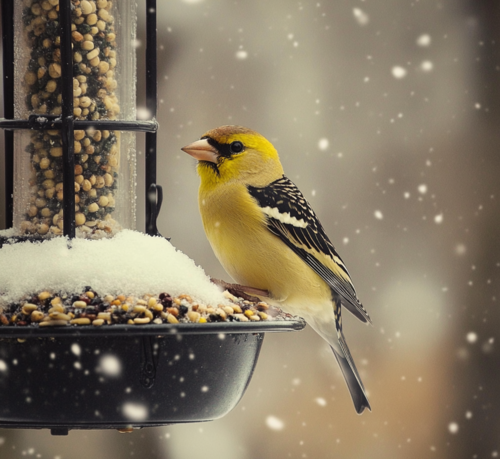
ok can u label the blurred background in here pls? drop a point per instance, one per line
(386, 116)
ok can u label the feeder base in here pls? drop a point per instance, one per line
(120, 377)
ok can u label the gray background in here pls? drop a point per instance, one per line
(427, 271)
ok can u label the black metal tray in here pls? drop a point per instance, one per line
(122, 376)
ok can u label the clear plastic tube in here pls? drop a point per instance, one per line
(104, 81)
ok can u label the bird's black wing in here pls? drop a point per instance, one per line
(291, 218)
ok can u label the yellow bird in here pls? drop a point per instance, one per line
(266, 235)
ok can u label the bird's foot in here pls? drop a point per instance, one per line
(241, 291)
(280, 312)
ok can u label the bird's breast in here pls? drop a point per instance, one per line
(253, 256)
(234, 226)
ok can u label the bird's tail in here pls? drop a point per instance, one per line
(351, 375)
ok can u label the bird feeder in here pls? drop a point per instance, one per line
(69, 105)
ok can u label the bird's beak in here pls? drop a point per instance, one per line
(202, 151)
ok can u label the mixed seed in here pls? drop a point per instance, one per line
(47, 309)
(94, 98)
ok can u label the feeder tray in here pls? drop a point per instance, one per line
(122, 377)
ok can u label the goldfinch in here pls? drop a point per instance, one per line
(266, 235)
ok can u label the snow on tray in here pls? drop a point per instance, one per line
(10, 232)
(131, 263)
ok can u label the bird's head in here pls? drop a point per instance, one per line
(235, 153)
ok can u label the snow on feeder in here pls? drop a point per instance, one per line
(132, 331)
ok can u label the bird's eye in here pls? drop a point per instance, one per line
(236, 147)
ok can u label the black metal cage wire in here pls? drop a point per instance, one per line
(66, 122)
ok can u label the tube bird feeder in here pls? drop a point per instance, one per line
(84, 360)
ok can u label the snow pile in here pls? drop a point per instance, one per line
(10, 232)
(131, 263)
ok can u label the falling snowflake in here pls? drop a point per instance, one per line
(143, 113)
(424, 40)
(422, 188)
(471, 337)
(110, 365)
(241, 54)
(320, 401)
(76, 349)
(398, 72)
(323, 144)
(426, 66)
(274, 423)
(361, 17)
(135, 411)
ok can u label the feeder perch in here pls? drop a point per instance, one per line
(69, 106)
